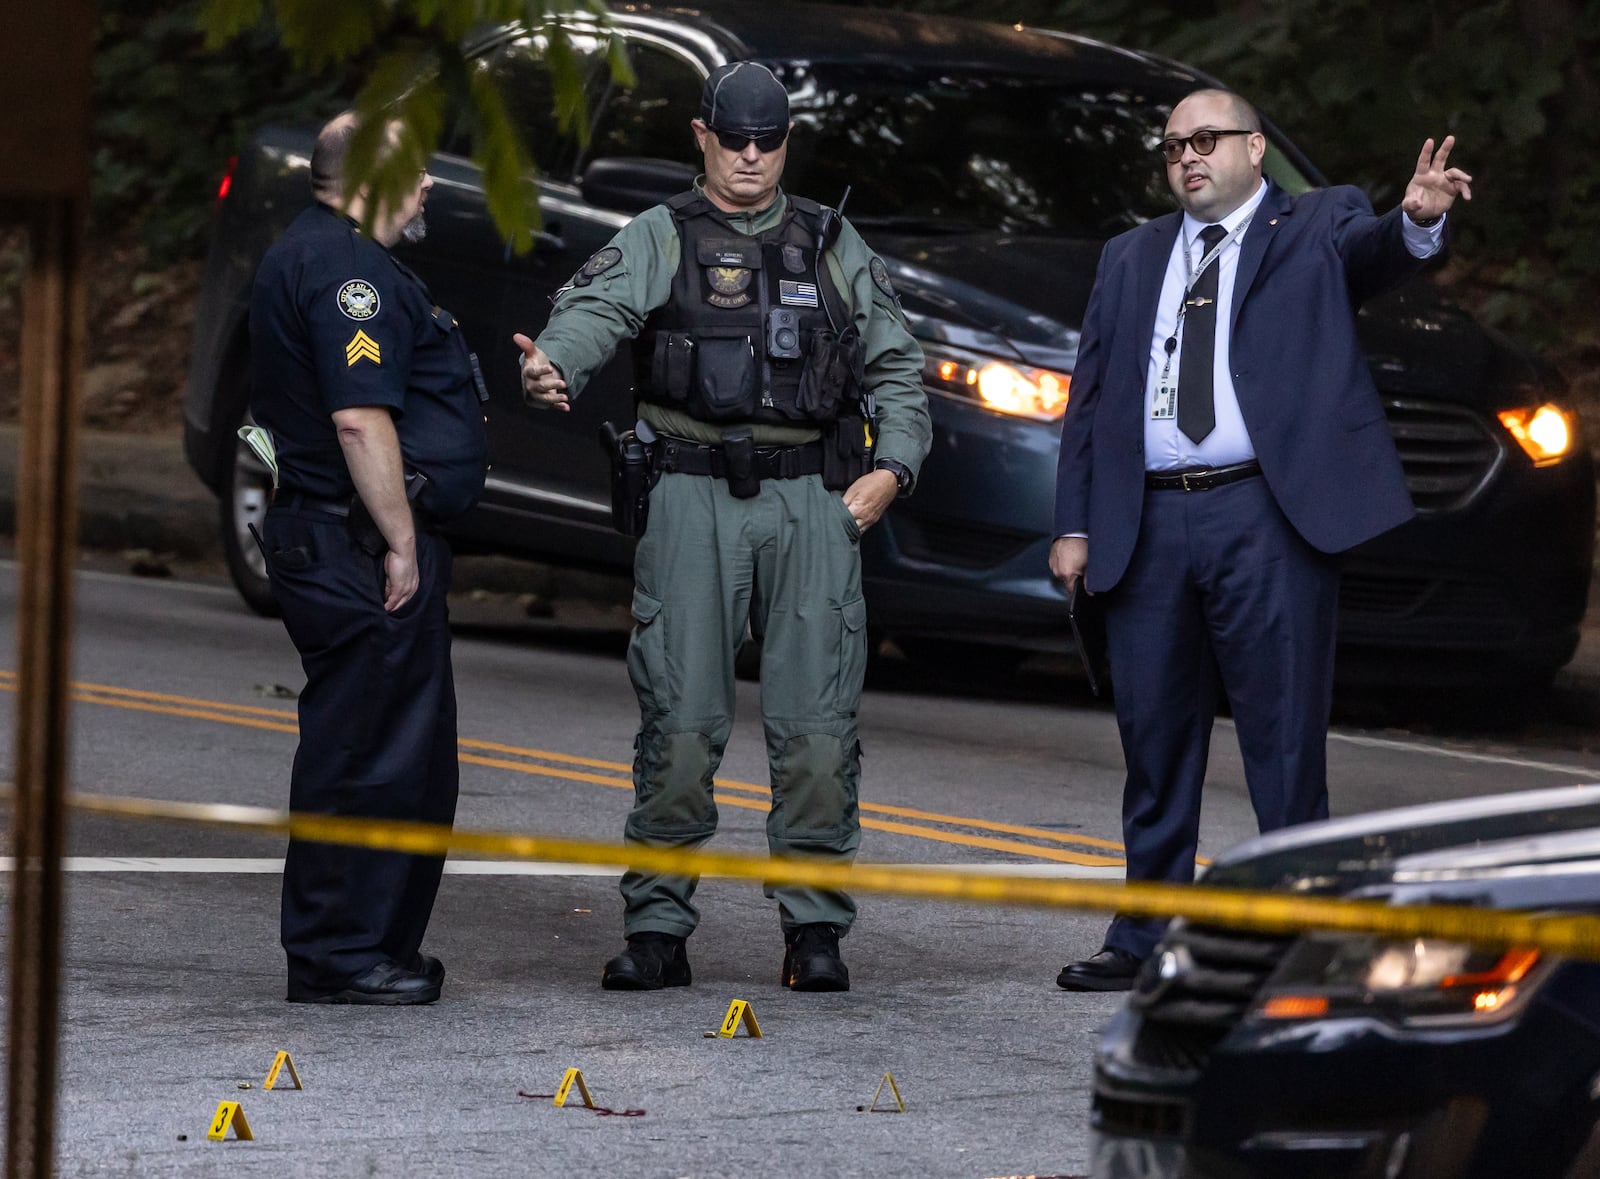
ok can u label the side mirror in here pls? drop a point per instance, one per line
(632, 184)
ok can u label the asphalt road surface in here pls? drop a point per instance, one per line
(174, 986)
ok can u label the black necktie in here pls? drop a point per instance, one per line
(1197, 413)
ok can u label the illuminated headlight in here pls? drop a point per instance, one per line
(1546, 432)
(1423, 981)
(1008, 386)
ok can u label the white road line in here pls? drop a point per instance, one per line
(1526, 763)
(272, 867)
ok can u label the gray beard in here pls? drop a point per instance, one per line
(415, 230)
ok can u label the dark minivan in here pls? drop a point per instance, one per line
(987, 164)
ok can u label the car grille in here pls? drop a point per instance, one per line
(1218, 973)
(952, 542)
(1432, 609)
(1448, 452)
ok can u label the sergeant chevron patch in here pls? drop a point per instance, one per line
(361, 347)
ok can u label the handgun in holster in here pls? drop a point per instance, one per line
(633, 474)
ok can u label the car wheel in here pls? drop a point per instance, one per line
(246, 492)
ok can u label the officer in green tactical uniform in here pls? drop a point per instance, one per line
(781, 400)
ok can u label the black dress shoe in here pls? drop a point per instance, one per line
(426, 965)
(1109, 970)
(651, 961)
(811, 959)
(388, 984)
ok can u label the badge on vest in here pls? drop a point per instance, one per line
(358, 299)
(797, 294)
(793, 260)
(729, 286)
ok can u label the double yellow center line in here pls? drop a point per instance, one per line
(1048, 845)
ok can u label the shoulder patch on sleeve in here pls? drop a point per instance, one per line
(362, 347)
(599, 262)
(880, 276)
(358, 299)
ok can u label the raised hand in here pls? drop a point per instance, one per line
(1435, 186)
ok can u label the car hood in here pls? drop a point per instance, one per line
(1483, 850)
(1034, 290)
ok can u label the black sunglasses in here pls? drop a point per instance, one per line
(734, 141)
(1205, 142)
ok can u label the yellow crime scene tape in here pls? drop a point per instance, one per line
(1269, 912)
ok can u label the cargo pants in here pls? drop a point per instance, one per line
(788, 559)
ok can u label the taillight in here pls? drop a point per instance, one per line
(227, 179)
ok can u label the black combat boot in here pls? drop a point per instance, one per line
(811, 959)
(651, 961)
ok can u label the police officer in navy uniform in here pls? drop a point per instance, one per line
(777, 373)
(373, 404)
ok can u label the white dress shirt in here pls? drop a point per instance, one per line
(1165, 446)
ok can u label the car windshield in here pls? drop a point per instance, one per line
(945, 150)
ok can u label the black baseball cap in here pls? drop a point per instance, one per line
(746, 98)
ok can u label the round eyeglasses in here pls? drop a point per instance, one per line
(1205, 142)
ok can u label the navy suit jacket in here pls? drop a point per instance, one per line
(1303, 383)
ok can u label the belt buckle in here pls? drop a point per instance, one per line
(1185, 477)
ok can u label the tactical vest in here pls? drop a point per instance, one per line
(749, 333)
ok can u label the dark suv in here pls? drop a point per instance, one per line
(987, 164)
(1330, 1055)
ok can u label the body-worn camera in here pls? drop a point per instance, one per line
(783, 334)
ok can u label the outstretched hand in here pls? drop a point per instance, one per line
(1435, 186)
(542, 384)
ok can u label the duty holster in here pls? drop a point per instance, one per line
(633, 474)
(364, 531)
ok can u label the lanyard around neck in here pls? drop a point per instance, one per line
(1192, 275)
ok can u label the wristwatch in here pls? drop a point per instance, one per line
(901, 473)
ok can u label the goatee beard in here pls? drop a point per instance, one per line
(415, 230)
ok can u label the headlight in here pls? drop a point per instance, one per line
(1546, 432)
(1421, 981)
(1008, 386)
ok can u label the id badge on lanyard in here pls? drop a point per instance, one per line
(1164, 405)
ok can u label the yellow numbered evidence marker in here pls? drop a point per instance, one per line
(230, 1115)
(900, 1105)
(573, 1077)
(739, 1012)
(278, 1062)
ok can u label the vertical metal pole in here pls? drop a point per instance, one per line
(52, 349)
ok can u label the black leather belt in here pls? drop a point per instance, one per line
(297, 500)
(1201, 478)
(772, 462)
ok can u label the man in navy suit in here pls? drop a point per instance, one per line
(1223, 443)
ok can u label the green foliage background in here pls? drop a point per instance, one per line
(1359, 84)
(169, 114)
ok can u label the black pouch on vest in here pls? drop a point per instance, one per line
(845, 453)
(823, 379)
(632, 476)
(739, 463)
(672, 368)
(727, 376)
